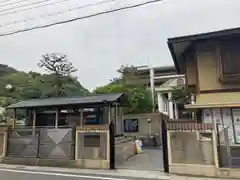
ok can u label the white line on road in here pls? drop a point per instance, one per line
(61, 174)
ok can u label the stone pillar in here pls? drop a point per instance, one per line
(170, 106)
(160, 102)
(176, 113)
(57, 118)
(34, 122)
(81, 118)
(14, 119)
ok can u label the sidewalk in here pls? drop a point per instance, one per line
(156, 175)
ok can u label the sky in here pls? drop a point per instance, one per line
(98, 46)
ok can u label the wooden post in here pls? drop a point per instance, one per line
(109, 114)
(14, 118)
(81, 117)
(57, 118)
(34, 121)
(122, 120)
(116, 119)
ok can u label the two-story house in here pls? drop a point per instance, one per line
(211, 63)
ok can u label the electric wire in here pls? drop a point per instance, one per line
(34, 7)
(58, 13)
(80, 18)
(13, 3)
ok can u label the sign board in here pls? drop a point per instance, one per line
(207, 116)
(224, 119)
(130, 125)
(217, 117)
(236, 122)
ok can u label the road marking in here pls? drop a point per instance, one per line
(62, 174)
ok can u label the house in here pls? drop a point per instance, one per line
(142, 75)
(166, 81)
(210, 62)
(165, 96)
(53, 125)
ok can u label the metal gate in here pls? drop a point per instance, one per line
(56, 143)
(23, 143)
(228, 149)
(42, 143)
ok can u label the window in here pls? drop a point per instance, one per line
(228, 63)
(93, 116)
(130, 125)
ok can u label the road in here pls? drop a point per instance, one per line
(10, 172)
(15, 174)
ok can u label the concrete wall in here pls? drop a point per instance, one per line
(143, 125)
(189, 148)
(94, 154)
(192, 153)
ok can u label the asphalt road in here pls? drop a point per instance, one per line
(14, 174)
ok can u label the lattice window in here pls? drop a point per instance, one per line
(228, 63)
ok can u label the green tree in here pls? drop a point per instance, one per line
(181, 96)
(34, 85)
(139, 97)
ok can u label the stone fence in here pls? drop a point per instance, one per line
(192, 149)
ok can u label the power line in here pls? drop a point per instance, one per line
(5, 1)
(13, 3)
(83, 17)
(33, 3)
(58, 13)
(35, 7)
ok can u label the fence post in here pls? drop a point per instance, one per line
(218, 146)
(38, 143)
(225, 130)
(112, 146)
(165, 146)
(74, 131)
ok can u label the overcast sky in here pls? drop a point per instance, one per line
(99, 45)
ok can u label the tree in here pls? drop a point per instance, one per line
(60, 69)
(139, 97)
(17, 85)
(181, 96)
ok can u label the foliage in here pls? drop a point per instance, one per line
(180, 95)
(34, 85)
(139, 97)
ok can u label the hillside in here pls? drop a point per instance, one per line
(33, 85)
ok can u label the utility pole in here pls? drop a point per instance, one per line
(152, 85)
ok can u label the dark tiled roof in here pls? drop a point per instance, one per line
(179, 45)
(83, 100)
